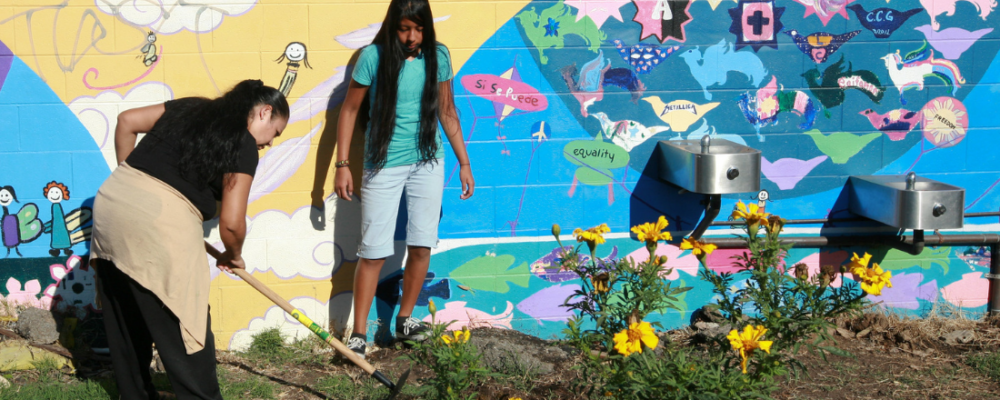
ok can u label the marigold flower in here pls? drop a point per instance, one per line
(631, 339)
(801, 271)
(432, 308)
(774, 224)
(593, 236)
(872, 279)
(748, 341)
(859, 261)
(601, 282)
(556, 230)
(461, 336)
(697, 247)
(652, 232)
(751, 213)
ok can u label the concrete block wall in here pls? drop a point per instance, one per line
(587, 89)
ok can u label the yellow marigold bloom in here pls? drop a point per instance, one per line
(631, 339)
(601, 282)
(859, 262)
(593, 236)
(652, 233)
(872, 279)
(750, 213)
(748, 341)
(697, 247)
(461, 336)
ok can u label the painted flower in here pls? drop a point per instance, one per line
(748, 341)
(593, 236)
(697, 247)
(631, 339)
(461, 336)
(750, 213)
(873, 278)
(652, 232)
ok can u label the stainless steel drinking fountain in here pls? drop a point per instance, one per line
(712, 167)
(907, 201)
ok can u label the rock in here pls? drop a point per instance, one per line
(845, 333)
(708, 313)
(905, 336)
(37, 326)
(964, 336)
(702, 325)
(4, 383)
(509, 351)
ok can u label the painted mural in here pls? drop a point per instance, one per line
(562, 105)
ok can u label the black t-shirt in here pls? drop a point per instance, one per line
(160, 159)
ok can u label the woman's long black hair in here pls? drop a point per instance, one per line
(383, 122)
(209, 132)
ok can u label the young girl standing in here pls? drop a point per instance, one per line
(409, 77)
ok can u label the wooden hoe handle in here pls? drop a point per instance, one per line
(297, 314)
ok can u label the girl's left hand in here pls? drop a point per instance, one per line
(468, 182)
(228, 261)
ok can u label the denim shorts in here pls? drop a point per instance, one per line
(380, 195)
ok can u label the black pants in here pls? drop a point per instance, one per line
(135, 319)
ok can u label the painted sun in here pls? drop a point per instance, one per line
(945, 121)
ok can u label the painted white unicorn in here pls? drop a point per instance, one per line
(910, 74)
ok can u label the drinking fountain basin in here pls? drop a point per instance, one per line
(710, 166)
(907, 201)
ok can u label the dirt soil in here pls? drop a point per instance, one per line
(891, 358)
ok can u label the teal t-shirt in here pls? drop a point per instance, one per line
(403, 149)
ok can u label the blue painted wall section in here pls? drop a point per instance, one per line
(825, 90)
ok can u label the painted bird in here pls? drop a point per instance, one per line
(882, 21)
(820, 45)
(952, 42)
(679, 114)
(895, 124)
(626, 133)
(830, 86)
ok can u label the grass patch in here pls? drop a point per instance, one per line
(987, 364)
(52, 385)
(270, 346)
(343, 387)
(244, 387)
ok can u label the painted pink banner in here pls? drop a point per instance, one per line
(505, 91)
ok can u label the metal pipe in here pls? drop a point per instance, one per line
(712, 209)
(983, 214)
(982, 239)
(828, 220)
(904, 242)
(994, 276)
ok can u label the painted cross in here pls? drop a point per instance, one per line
(758, 21)
(755, 23)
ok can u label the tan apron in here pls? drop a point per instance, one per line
(154, 235)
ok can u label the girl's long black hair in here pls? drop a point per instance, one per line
(390, 65)
(209, 132)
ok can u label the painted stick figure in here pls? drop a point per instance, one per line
(762, 198)
(19, 228)
(294, 52)
(149, 50)
(66, 229)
